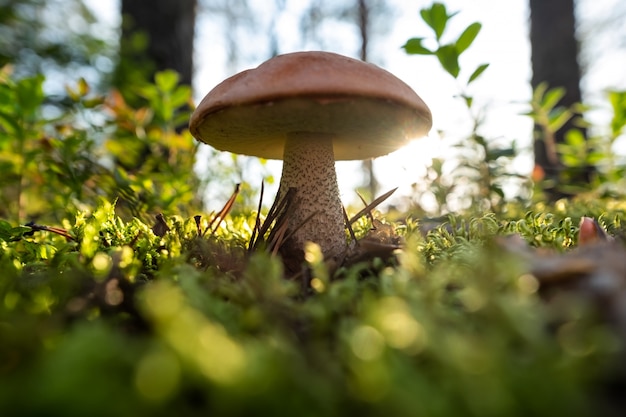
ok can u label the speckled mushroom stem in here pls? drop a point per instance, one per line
(309, 166)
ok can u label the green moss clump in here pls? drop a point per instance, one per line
(118, 320)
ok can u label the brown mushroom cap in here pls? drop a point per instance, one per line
(368, 110)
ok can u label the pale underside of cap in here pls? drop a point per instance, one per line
(368, 111)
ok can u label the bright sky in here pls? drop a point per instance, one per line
(503, 88)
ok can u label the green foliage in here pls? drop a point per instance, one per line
(41, 157)
(154, 157)
(163, 325)
(483, 170)
(482, 165)
(97, 147)
(618, 104)
(437, 18)
(577, 153)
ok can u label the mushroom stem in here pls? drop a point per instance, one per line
(309, 166)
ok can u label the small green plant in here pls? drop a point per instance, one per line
(164, 324)
(437, 18)
(97, 146)
(599, 151)
(48, 163)
(153, 153)
(578, 154)
(483, 168)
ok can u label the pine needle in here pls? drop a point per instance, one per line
(368, 209)
(223, 212)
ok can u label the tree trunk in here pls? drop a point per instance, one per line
(363, 22)
(156, 35)
(555, 61)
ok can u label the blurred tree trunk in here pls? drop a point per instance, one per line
(156, 35)
(363, 22)
(555, 60)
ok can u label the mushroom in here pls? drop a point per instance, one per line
(310, 109)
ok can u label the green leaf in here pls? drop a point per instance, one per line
(449, 59)
(494, 154)
(477, 72)
(575, 137)
(552, 98)
(570, 161)
(166, 80)
(467, 37)
(469, 100)
(30, 94)
(558, 117)
(83, 87)
(436, 17)
(414, 47)
(437, 165)
(90, 103)
(10, 122)
(618, 103)
(9, 233)
(148, 91)
(180, 95)
(479, 139)
(498, 190)
(540, 91)
(594, 158)
(5, 230)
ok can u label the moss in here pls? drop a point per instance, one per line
(125, 322)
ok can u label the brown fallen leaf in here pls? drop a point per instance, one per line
(590, 231)
(594, 270)
(380, 242)
(160, 227)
